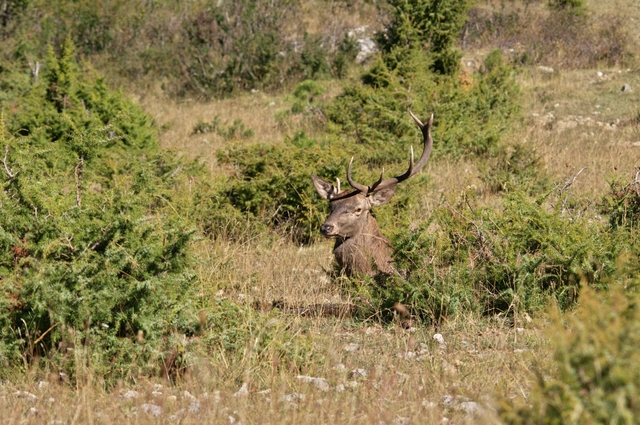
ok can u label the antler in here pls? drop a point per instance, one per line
(413, 168)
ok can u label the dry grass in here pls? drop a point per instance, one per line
(406, 378)
(582, 119)
(574, 119)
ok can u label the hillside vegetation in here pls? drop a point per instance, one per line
(160, 254)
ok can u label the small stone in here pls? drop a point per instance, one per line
(194, 407)
(599, 74)
(151, 409)
(351, 347)
(546, 69)
(186, 394)
(293, 397)
(626, 88)
(469, 407)
(355, 373)
(130, 395)
(25, 395)
(319, 383)
(439, 339)
(243, 391)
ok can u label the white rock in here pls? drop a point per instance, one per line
(293, 397)
(351, 347)
(243, 391)
(194, 407)
(439, 339)
(130, 395)
(42, 384)
(25, 395)
(319, 383)
(151, 410)
(355, 373)
(469, 407)
(546, 69)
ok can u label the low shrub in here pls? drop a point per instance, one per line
(96, 268)
(622, 203)
(498, 261)
(593, 378)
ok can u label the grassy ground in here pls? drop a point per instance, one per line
(575, 119)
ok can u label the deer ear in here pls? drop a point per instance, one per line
(323, 187)
(382, 196)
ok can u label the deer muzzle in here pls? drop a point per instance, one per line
(327, 230)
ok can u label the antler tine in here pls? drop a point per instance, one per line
(338, 185)
(361, 188)
(426, 152)
(417, 120)
(375, 185)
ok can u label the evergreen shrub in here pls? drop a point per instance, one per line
(95, 261)
(506, 260)
(594, 376)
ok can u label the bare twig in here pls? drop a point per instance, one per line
(4, 162)
(570, 181)
(78, 173)
(35, 69)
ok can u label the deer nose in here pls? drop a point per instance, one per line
(326, 229)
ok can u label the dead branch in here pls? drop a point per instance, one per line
(4, 162)
(78, 173)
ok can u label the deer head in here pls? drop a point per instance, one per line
(359, 242)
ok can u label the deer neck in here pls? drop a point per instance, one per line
(366, 252)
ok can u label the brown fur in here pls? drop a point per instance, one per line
(368, 252)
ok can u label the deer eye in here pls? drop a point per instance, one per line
(358, 210)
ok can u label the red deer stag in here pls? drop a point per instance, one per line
(360, 247)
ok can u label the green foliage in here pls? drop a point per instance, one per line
(468, 120)
(273, 183)
(493, 261)
(432, 24)
(595, 372)
(63, 103)
(216, 47)
(95, 259)
(576, 7)
(347, 52)
(370, 122)
(622, 203)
